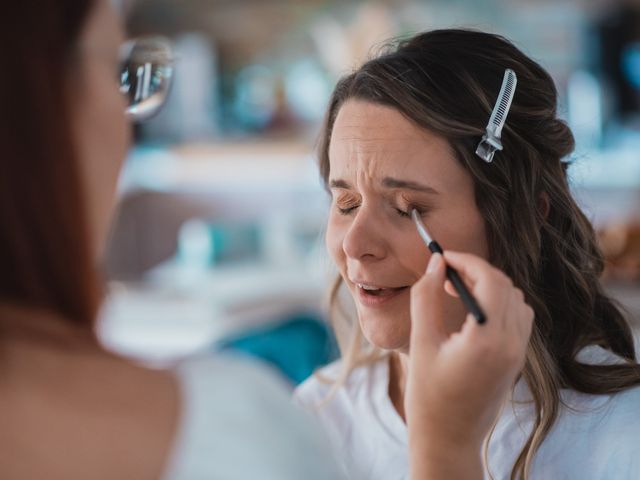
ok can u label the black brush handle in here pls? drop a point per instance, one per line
(461, 288)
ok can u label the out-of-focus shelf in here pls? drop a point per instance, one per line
(607, 170)
(607, 185)
(250, 166)
(177, 311)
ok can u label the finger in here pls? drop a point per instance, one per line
(529, 321)
(519, 294)
(517, 313)
(470, 266)
(525, 323)
(520, 334)
(517, 330)
(450, 289)
(490, 286)
(512, 314)
(494, 349)
(469, 337)
(427, 326)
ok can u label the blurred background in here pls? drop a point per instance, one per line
(218, 238)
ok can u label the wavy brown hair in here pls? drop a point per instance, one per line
(447, 81)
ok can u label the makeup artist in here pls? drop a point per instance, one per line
(68, 408)
(71, 410)
(420, 128)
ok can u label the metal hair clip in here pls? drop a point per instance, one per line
(491, 140)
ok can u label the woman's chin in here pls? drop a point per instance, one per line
(387, 334)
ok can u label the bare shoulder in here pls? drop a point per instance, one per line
(83, 413)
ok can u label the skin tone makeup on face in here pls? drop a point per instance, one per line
(381, 165)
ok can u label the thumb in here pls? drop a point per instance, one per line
(427, 327)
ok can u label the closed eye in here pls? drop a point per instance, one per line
(347, 210)
(399, 211)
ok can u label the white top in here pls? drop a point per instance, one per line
(596, 439)
(238, 423)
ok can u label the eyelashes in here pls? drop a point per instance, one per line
(346, 211)
(402, 205)
(407, 214)
(402, 213)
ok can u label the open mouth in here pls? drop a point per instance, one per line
(372, 291)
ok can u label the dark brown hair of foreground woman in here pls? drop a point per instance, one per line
(446, 81)
(45, 257)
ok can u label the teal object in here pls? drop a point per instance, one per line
(231, 243)
(296, 346)
(202, 243)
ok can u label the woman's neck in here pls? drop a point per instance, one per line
(23, 322)
(398, 372)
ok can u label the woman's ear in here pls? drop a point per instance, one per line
(544, 205)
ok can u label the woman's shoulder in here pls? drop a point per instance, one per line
(611, 405)
(617, 413)
(237, 422)
(603, 410)
(610, 421)
(598, 435)
(318, 385)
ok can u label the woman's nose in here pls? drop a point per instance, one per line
(364, 240)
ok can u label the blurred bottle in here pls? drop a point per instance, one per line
(202, 244)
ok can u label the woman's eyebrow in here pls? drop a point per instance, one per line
(389, 182)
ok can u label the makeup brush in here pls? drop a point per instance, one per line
(452, 274)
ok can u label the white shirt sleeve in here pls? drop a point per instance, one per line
(238, 423)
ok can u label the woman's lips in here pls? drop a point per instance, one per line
(377, 298)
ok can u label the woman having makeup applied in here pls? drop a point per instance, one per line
(415, 129)
(68, 408)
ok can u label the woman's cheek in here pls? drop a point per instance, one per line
(333, 239)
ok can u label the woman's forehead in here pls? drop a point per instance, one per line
(373, 142)
(365, 130)
(363, 120)
(377, 138)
